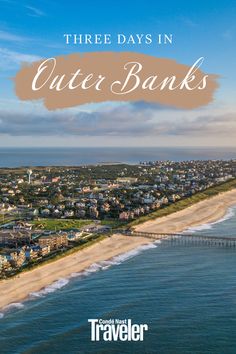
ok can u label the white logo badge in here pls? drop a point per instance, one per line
(116, 330)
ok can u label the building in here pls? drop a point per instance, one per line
(55, 241)
(16, 258)
(4, 263)
(14, 238)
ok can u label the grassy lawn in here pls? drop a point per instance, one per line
(59, 224)
(112, 223)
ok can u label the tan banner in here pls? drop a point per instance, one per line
(75, 79)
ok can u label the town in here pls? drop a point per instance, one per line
(46, 211)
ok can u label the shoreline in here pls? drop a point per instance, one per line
(208, 211)
(19, 288)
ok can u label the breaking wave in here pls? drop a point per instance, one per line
(14, 305)
(130, 254)
(102, 265)
(10, 307)
(229, 214)
(60, 283)
(95, 267)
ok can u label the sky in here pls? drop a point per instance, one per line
(30, 30)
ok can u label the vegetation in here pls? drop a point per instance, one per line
(112, 223)
(65, 224)
(59, 224)
(184, 203)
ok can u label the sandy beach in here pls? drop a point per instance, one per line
(206, 211)
(17, 289)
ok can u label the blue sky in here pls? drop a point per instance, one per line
(33, 29)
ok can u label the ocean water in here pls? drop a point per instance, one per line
(186, 295)
(17, 157)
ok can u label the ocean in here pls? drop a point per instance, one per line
(186, 294)
(17, 157)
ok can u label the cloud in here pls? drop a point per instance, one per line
(10, 59)
(9, 37)
(219, 125)
(123, 121)
(141, 105)
(35, 12)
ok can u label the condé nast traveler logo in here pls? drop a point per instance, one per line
(116, 330)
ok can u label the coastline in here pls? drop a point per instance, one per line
(206, 211)
(20, 287)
